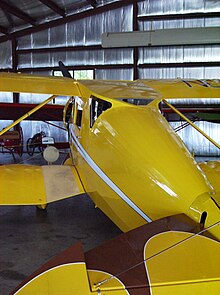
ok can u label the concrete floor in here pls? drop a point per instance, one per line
(29, 237)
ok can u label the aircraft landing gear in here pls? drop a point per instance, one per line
(42, 207)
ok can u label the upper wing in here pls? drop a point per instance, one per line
(36, 185)
(38, 84)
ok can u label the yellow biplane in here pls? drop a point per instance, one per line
(129, 160)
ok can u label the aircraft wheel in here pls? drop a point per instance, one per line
(20, 145)
(30, 147)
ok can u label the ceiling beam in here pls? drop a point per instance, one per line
(53, 6)
(67, 19)
(60, 49)
(87, 67)
(181, 16)
(17, 12)
(93, 3)
(119, 66)
(9, 18)
(180, 65)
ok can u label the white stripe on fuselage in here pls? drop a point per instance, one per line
(105, 178)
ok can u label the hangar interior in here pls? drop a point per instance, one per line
(34, 37)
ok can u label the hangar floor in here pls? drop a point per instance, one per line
(29, 237)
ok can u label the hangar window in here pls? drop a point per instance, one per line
(77, 74)
(84, 74)
(60, 74)
(97, 107)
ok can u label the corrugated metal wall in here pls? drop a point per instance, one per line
(87, 32)
(81, 32)
(179, 54)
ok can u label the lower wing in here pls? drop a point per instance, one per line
(166, 256)
(37, 185)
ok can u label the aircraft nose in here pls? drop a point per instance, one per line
(205, 210)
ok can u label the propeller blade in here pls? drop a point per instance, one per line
(64, 70)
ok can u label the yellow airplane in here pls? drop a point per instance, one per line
(128, 159)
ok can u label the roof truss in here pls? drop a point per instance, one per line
(3, 30)
(93, 3)
(17, 12)
(53, 6)
(63, 20)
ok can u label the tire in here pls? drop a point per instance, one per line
(30, 147)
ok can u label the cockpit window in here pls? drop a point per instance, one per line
(137, 101)
(98, 106)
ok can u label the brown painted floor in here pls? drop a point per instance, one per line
(29, 238)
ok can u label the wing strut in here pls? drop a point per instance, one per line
(27, 114)
(192, 124)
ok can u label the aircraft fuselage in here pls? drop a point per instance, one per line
(133, 165)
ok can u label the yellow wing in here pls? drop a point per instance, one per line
(37, 185)
(38, 84)
(165, 257)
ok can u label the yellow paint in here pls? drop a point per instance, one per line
(61, 181)
(37, 84)
(69, 279)
(112, 89)
(66, 279)
(137, 149)
(113, 286)
(212, 171)
(191, 267)
(68, 162)
(169, 89)
(34, 185)
(22, 185)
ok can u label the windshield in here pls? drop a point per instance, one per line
(137, 101)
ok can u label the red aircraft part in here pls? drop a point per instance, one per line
(13, 111)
